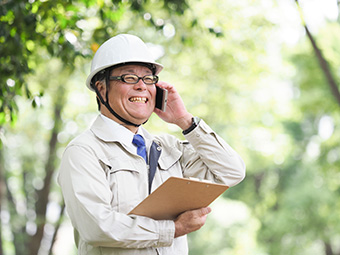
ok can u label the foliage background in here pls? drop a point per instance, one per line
(246, 67)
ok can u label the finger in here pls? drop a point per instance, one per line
(162, 84)
(166, 85)
(205, 210)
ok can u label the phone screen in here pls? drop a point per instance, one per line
(161, 98)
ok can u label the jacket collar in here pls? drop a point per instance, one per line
(115, 132)
(106, 133)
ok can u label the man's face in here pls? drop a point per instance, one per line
(133, 102)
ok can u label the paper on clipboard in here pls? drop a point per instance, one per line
(177, 195)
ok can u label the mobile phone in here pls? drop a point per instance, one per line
(161, 98)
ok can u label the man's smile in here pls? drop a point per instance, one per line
(138, 99)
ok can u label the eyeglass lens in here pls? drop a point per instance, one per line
(133, 79)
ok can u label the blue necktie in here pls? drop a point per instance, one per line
(138, 140)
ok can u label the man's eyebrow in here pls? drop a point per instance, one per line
(132, 70)
(127, 70)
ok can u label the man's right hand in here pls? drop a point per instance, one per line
(190, 221)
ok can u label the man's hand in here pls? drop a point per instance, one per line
(175, 112)
(190, 221)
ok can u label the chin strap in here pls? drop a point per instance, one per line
(107, 105)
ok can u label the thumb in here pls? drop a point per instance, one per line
(205, 211)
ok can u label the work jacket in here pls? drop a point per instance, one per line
(102, 180)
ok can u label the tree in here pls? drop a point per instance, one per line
(301, 203)
(35, 31)
(226, 59)
(27, 28)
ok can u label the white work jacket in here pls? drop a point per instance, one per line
(102, 180)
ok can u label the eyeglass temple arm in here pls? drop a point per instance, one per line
(115, 78)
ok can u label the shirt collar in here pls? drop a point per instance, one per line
(121, 133)
(124, 135)
(108, 130)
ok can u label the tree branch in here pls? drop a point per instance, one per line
(324, 66)
(322, 62)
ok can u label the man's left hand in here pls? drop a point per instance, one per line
(175, 112)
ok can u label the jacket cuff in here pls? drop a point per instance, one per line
(166, 233)
(201, 130)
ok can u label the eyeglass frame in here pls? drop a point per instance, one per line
(121, 78)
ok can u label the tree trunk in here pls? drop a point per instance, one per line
(18, 232)
(43, 194)
(2, 188)
(331, 83)
(57, 226)
(328, 248)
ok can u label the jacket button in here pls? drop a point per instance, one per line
(159, 148)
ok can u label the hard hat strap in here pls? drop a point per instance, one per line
(107, 105)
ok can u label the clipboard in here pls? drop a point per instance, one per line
(177, 195)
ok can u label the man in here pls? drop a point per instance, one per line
(104, 174)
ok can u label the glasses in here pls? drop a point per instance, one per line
(133, 79)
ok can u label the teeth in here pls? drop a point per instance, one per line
(138, 99)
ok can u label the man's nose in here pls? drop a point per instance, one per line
(140, 85)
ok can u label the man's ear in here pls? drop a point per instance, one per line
(101, 88)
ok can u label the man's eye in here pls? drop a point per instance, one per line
(148, 79)
(130, 78)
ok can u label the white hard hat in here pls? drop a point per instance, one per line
(120, 49)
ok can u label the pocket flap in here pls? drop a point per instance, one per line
(169, 158)
(119, 164)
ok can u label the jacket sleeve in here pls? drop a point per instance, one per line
(88, 201)
(209, 157)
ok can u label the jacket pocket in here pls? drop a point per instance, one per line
(125, 182)
(169, 164)
(168, 158)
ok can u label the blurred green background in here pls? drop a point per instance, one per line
(248, 68)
